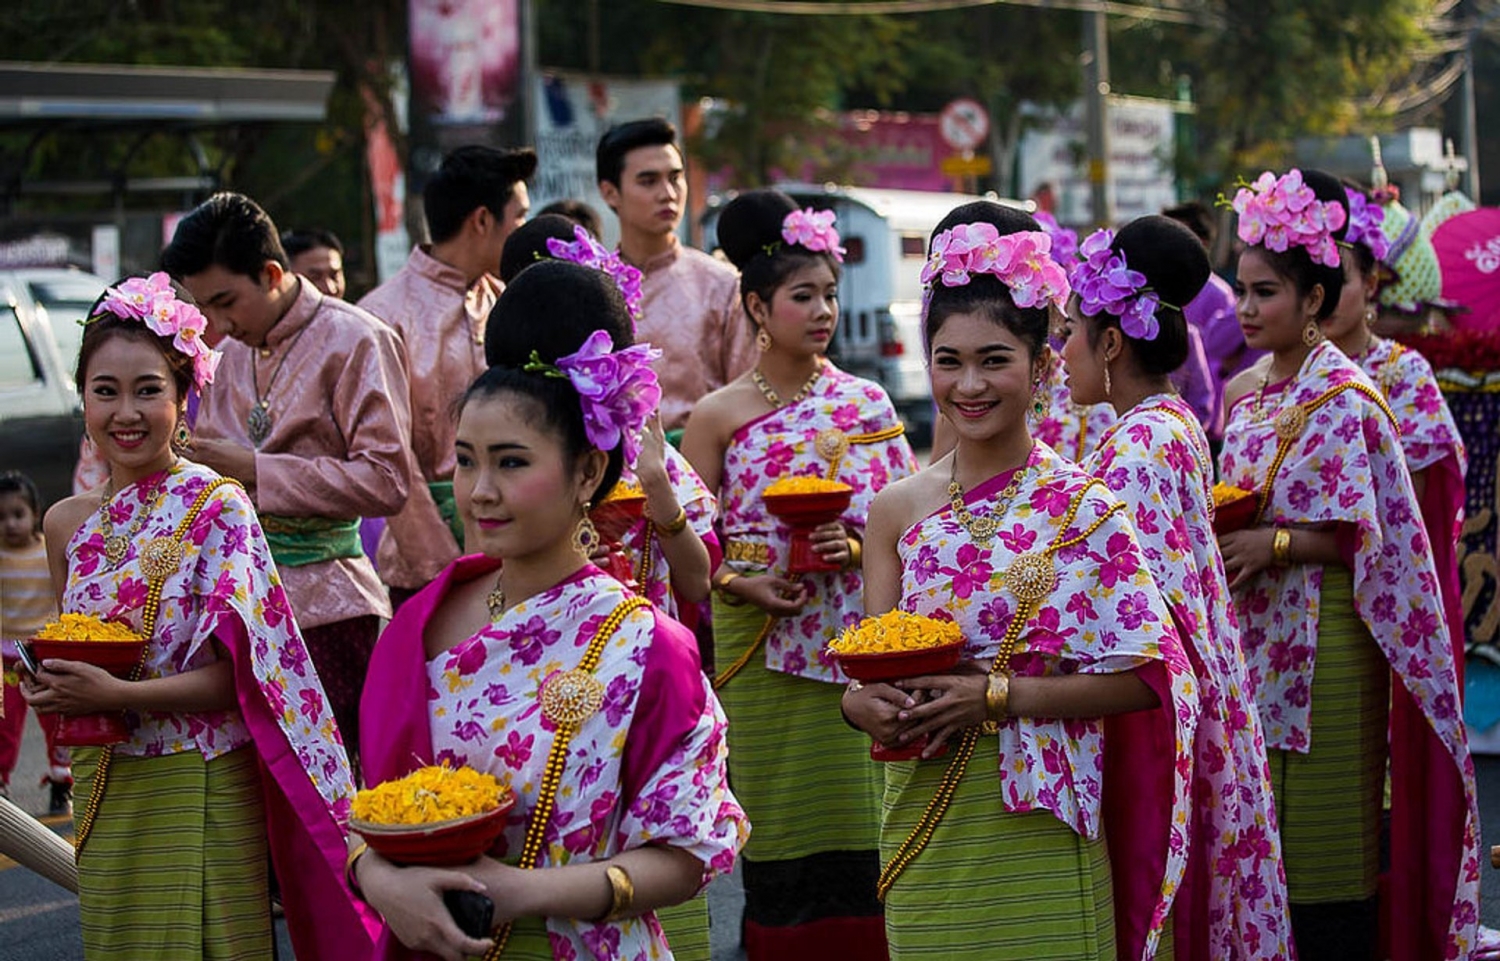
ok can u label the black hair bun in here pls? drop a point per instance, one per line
(527, 244)
(1007, 220)
(552, 307)
(751, 222)
(1168, 253)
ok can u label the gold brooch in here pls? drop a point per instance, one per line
(1030, 577)
(115, 548)
(1291, 422)
(571, 697)
(161, 557)
(831, 444)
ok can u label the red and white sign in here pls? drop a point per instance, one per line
(964, 124)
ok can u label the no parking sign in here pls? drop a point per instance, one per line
(963, 124)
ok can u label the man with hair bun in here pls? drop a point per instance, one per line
(690, 305)
(437, 302)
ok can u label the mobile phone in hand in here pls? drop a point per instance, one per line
(27, 658)
(473, 912)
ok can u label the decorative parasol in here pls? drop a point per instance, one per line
(1468, 252)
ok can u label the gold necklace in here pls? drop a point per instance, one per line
(773, 398)
(495, 601)
(982, 529)
(116, 546)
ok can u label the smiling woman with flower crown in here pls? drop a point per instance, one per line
(1339, 608)
(1056, 825)
(528, 663)
(805, 778)
(228, 724)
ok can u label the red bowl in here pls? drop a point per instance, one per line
(441, 843)
(616, 516)
(1235, 515)
(809, 510)
(895, 665)
(116, 657)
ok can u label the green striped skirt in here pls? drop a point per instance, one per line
(175, 869)
(686, 928)
(803, 776)
(991, 884)
(1329, 799)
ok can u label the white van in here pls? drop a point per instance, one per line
(880, 293)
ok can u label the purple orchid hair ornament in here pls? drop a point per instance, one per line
(153, 301)
(588, 252)
(1105, 283)
(617, 389)
(1365, 219)
(813, 230)
(1064, 239)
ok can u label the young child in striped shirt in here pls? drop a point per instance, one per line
(26, 604)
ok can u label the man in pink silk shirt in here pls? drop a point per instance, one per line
(690, 302)
(438, 303)
(309, 411)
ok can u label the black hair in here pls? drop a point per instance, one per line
(527, 244)
(15, 482)
(577, 211)
(750, 232)
(227, 230)
(1176, 268)
(469, 178)
(103, 326)
(1195, 216)
(986, 293)
(1296, 264)
(301, 240)
(619, 140)
(551, 309)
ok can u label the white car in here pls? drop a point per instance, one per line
(41, 420)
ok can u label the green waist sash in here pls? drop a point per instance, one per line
(299, 541)
(442, 496)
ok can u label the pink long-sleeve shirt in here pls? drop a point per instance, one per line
(690, 310)
(440, 318)
(337, 447)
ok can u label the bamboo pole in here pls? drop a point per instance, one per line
(32, 845)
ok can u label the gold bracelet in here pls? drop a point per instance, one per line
(856, 554)
(1281, 547)
(622, 892)
(996, 702)
(721, 584)
(357, 852)
(674, 526)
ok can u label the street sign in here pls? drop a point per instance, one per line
(958, 165)
(964, 124)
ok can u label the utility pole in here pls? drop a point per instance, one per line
(1096, 113)
(1470, 123)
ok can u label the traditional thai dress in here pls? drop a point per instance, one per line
(335, 421)
(1055, 839)
(648, 767)
(1233, 903)
(175, 827)
(805, 777)
(1323, 450)
(641, 544)
(690, 309)
(1070, 429)
(440, 318)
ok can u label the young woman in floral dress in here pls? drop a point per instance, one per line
(1339, 606)
(1126, 335)
(1055, 826)
(806, 779)
(622, 802)
(231, 742)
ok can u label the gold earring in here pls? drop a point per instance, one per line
(182, 437)
(586, 537)
(1038, 407)
(1370, 316)
(1106, 380)
(1311, 334)
(763, 340)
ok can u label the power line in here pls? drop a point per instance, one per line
(1162, 14)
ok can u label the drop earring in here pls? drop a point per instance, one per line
(1370, 316)
(1038, 407)
(762, 340)
(1311, 335)
(1106, 382)
(586, 537)
(182, 437)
